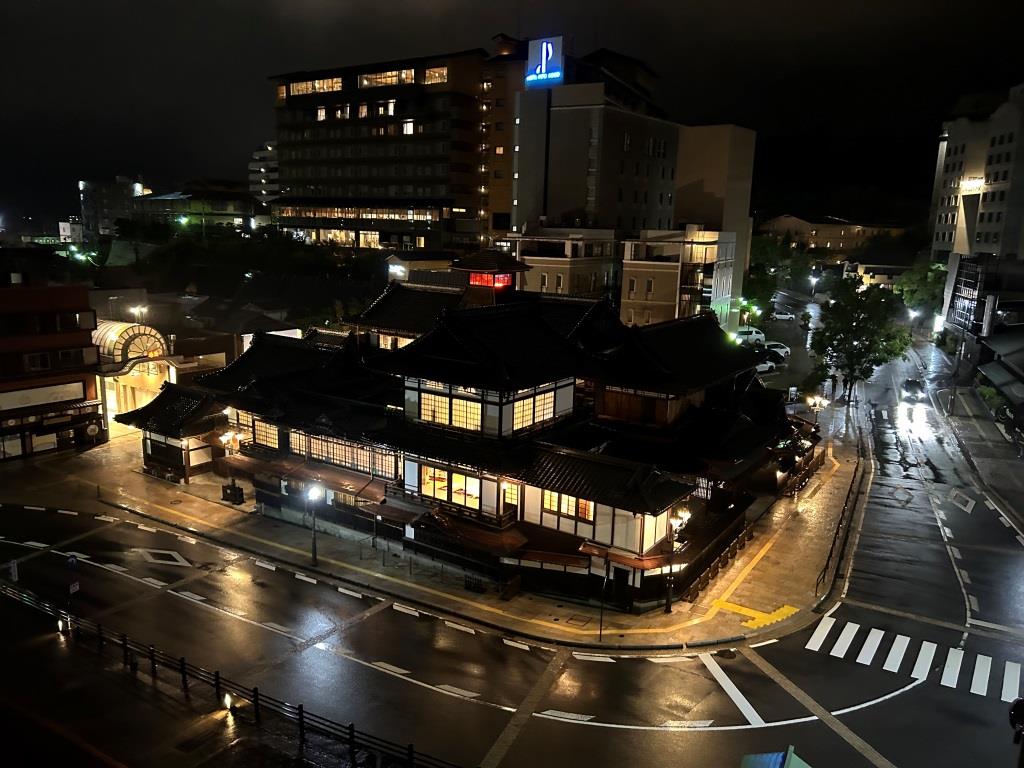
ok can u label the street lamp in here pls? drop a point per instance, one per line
(818, 403)
(139, 312)
(376, 519)
(814, 283)
(314, 493)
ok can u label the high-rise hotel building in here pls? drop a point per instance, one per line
(978, 212)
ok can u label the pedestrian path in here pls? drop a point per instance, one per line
(901, 654)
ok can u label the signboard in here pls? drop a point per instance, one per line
(544, 62)
(56, 393)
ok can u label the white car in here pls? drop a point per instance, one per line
(747, 335)
(766, 367)
(785, 315)
(778, 347)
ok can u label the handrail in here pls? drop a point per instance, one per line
(843, 525)
(389, 753)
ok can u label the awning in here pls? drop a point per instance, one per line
(357, 484)
(1004, 380)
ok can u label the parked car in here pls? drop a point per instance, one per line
(748, 335)
(775, 357)
(766, 366)
(913, 390)
(784, 314)
(778, 347)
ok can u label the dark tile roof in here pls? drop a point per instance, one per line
(674, 357)
(638, 488)
(176, 411)
(269, 357)
(504, 347)
(409, 309)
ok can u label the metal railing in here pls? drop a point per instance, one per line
(845, 519)
(383, 753)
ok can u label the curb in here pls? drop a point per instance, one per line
(433, 610)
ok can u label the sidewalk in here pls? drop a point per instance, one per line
(767, 590)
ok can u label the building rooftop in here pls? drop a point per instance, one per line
(409, 309)
(176, 411)
(491, 261)
(379, 65)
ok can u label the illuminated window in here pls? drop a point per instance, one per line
(478, 278)
(522, 413)
(569, 506)
(544, 407)
(435, 75)
(421, 241)
(341, 112)
(465, 490)
(315, 86)
(510, 494)
(321, 113)
(408, 127)
(434, 482)
(264, 434)
(499, 150)
(363, 111)
(393, 77)
(465, 414)
(386, 107)
(434, 408)
(282, 93)
(550, 501)
(584, 509)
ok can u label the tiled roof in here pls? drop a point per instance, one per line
(409, 309)
(622, 484)
(270, 356)
(503, 347)
(176, 411)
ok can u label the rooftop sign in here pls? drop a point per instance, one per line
(544, 63)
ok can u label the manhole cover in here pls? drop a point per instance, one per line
(578, 621)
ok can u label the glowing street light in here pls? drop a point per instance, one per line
(314, 493)
(818, 403)
(139, 312)
(913, 313)
(814, 283)
(183, 220)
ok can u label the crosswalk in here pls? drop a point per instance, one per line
(866, 648)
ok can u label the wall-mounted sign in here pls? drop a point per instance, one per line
(544, 63)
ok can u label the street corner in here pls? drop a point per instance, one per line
(757, 619)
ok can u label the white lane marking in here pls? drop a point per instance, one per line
(37, 509)
(304, 577)
(687, 723)
(350, 593)
(106, 518)
(559, 715)
(956, 552)
(1001, 627)
(458, 691)
(265, 564)
(940, 514)
(979, 682)
(845, 638)
(885, 414)
(867, 652)
(895, 657)
(833, 609)
(989, 503)
(79, 555)
(66, 512)
(951, 670)
(191, 596)
(1011, 681)
(405, 609)
(820, 633)
(36, 544)
(1004, 521)
(949, 533)
(670, 659)
(965, 576)
(1020, 539)
(460, 627)
(924, 661)
(974, 602)
(765, 642)
(187, 539)
(146, 528)
(113, 567)
(391, 668)
(968, 503)
(278, 627)
(234, 611)
(731, 690)
(593, 657)
(515, 644)
(155, 582)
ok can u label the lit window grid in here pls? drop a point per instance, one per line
(264, 434)
(465, 414)
(379, 214)
(434, 408)
(305, 87)
(567, 506)
(435, 75)
(391, 77)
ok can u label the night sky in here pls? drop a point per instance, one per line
(847, 101)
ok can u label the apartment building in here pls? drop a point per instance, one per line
(838, 236)
(264, 177)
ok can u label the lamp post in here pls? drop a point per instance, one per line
(376, 519)
(814, 283)
(314, 493)
(818, 403)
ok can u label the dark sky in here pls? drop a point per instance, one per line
(846, 97)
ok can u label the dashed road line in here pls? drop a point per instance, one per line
(1020, 540)
(1004, 521)
(460, 627)
(265, 564)
(764, 643)
(405, 609)
(113, 567)
(67, 512)
(956, 553)
(687, 723)
(155, 582)
(965, 576)
(949, 533)
(36, 544)
(458, 691)
(305, 578)
(277, 627)
(593, 657)
(146, 528)
(668, 659)
(187, 539)
(348, 592)
(37, 509)
(558, 714)
(515, 644)
(106, 518)
(390, 668)
(191, 596)
(974, 602)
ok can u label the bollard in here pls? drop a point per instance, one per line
(152, 661)
(124, 649)
(352, 743)
(256, 703)
(302, 726)
(216, 684)
(184, 673)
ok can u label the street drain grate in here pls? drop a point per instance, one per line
(578, 621)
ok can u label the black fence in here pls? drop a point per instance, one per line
(363, 748)
(842, 532)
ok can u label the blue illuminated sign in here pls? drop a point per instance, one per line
(544, 62)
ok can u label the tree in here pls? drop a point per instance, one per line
(859, 331)
(922, 286)
(758, 289)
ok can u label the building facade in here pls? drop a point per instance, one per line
(978, 213)
(202, 206)
(264, 177)
(837, 236)
(105, 201)
(48, 394)
(570, 262)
